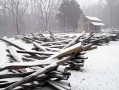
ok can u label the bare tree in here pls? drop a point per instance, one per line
(45, 6)
(17, 9)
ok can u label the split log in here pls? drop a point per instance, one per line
(76, 66)
(8, 81)
(59, 76)
(32, 58)
(62, 69)
(28, 38)
(37, 73)
(16, 57)
(56, 46)
(82, 53)
(86, 47)
(57, 42)
(64, 82)
(59, 86)
(80, 57)
(52, 37)
(36, 52)
(39, 46)
(44, 48)
(93, 47)
(74, 40)
(68, 51)
(9, 42)
(78, 60)
(22, 65)
(3, 76)
(40, 55)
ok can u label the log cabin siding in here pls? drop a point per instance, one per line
(85, 24)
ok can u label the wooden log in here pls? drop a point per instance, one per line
(62, 69)
(80, 57)
(74, 40)
(3, 76)
(39, 46)
(22, 65)
(93, 47)
(59, 86)
(32, 58)
(9, 42)
(40, 61)
(42, 35)
(30, 39)
(51, 33)
(36, 52)
(16, 57)
(9, 55)
(64, 82)
(86, 47)
(10, 81)
(75, 66)
(56, 46)
(68, 51)
(5, 84)
(73, 49)
(44, 48)
(78, 60)
(82, 53)
(57, 72)
(37, 73)
(57, 42)
(32, 86)
(58, 76)
(90, 35)
(52, 37)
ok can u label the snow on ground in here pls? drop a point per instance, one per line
(100, 71)
(3, 58)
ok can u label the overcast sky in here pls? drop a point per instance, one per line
(86, 2)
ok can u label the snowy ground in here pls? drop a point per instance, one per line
(100, 71)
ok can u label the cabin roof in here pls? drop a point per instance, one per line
(93, 18)
(97, 23)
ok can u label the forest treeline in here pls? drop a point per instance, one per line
(107, 11)
(27, 16)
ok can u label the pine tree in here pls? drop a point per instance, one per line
(69, 14)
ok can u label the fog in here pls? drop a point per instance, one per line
(23, 16)
(85, 3)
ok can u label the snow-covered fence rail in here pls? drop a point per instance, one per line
(48, 61)
(54, 66)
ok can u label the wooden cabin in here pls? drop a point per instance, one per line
(89, 24)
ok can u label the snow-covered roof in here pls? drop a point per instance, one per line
(92, 18)
(98, 24)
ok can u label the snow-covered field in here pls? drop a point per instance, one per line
(100, 71)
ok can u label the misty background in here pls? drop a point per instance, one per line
(29, 16)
